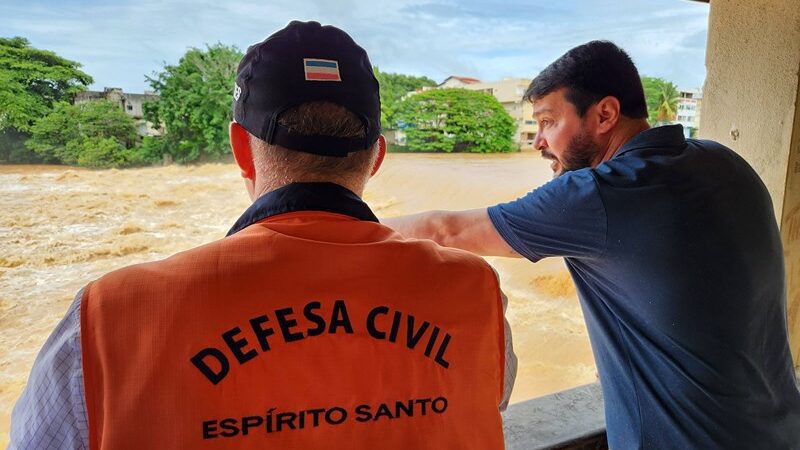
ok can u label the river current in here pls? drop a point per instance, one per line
(61, 227)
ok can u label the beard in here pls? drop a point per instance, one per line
(579, 154)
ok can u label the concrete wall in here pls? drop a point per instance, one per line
(571, 419)
(751, 105)
(790, 231)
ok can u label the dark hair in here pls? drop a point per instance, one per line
(323, 119)
(590, 72)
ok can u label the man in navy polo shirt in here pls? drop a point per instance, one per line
(675, 252)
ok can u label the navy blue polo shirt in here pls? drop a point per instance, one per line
(677, 259)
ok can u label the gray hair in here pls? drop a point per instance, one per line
(285, 166)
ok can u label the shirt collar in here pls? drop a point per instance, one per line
(329, 197)
(665, 136)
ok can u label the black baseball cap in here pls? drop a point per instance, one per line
(306, 62)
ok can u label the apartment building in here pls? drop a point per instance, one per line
(688, 110)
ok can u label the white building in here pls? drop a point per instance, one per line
(688, 110)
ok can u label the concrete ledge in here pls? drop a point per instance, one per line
(571, 419)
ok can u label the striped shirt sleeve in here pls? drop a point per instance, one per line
(510, 372)
(51, 412)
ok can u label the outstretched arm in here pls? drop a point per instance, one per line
(470, 230)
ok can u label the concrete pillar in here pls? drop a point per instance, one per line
(790, 230)
(750, 103)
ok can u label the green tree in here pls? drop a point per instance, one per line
(667, 103)
(195, 102)
(394, 87)
(31, 82)
(95, 134)
(12, 147)
(662, 100)
(456, 120)
(101, 153)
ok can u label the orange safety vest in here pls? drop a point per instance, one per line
(305, 330)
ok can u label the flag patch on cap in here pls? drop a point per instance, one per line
(321, 70)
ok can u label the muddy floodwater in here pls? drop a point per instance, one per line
(62, 227)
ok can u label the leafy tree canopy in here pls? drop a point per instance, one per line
(195, 102)
(456, 120)
(32, 81)
(394, 87)
(95, 134)
(662, 100)
(13, 150)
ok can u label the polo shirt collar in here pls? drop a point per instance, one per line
(664, 136)
(328, 197)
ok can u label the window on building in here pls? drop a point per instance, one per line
(130, 107)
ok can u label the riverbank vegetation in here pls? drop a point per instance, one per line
(40, 124)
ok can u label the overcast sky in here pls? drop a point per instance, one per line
(118, 42)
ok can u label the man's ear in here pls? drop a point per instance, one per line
(242, 153)
(607, 112)
(381, 155)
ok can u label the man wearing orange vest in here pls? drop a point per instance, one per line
(310, 325)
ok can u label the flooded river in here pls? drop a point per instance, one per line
(61, 227)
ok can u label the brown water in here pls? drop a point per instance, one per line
(61, 227)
